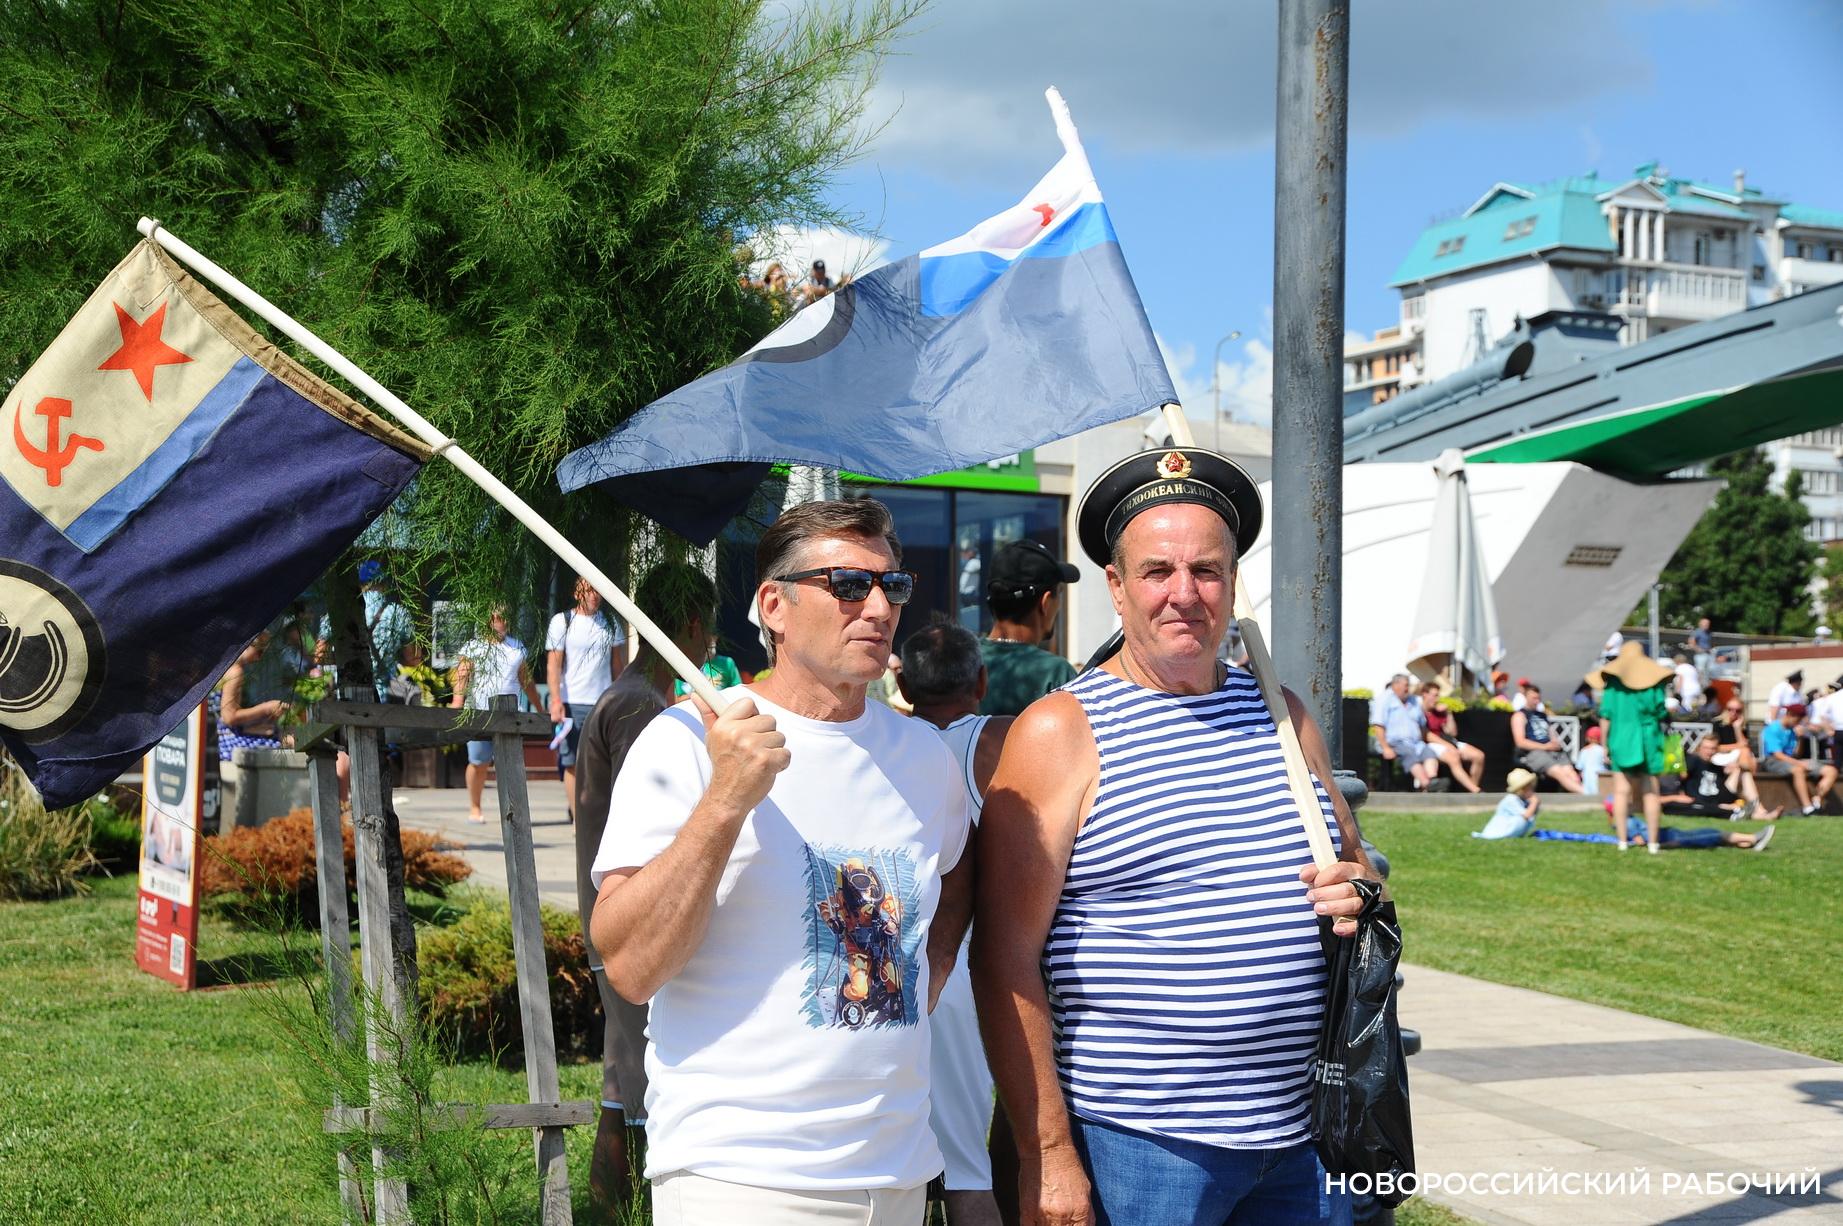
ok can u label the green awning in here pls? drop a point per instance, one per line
(1661, 438)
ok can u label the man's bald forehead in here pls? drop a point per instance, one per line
(1136, 541)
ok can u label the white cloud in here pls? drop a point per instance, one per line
(964, 89)
(1244, 380)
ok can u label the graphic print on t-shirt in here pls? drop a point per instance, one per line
(862, 938)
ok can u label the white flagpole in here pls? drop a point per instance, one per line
(448, 449)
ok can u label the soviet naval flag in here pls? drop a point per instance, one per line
(169, 481)
(1025, 329)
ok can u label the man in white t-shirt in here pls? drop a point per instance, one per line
(489, 667)
(770, 880)
(1787, 693)
(1689, 685)
(583, 653)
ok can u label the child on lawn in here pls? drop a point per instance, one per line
(1516, 813)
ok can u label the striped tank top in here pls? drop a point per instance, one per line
(1185, 976)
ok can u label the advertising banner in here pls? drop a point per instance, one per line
(172, 806)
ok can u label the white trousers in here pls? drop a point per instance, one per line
(683, 1199)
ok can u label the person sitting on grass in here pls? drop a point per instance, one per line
(1779, 758)
(1516, 813)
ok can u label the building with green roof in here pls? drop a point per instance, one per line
(1651, 251)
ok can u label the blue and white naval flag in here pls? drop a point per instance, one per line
(169, 481)
(1025, 329)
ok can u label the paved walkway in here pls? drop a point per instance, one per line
(1508, 1080)
(553, 839)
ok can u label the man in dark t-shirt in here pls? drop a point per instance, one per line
(1024, 594)
(682, 601)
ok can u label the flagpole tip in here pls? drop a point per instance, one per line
(1065, 124)
(147, 226)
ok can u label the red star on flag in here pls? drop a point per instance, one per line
(142, 349)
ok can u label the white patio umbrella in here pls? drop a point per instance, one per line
(1455, 626)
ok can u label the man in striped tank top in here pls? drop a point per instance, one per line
(1147, 962)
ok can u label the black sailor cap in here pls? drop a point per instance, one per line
(1162, 475)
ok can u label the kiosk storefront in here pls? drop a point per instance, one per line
(950, 526)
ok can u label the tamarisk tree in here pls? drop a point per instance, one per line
(520, 215)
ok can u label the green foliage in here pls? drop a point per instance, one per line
(469, 983)
(1746, 564)
(269, 873)
(454, 1170)
(1830, 570)
(42, 854)
(521, 217)
(115, 837)
(196, 1085)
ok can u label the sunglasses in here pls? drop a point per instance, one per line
(852, 584)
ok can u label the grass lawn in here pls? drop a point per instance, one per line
(124, 1100)
(1726, 940)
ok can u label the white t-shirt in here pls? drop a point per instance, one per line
(495, 666)
(1689, 685)
(1828, 710)
(1784, 694)
(586, 643)
(792, 1049)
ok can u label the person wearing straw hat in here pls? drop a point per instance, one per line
(1632, 713)
(1146, 957)
(1515, 815)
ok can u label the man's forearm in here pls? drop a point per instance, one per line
(952, 916)
(1014, 1020)
(649, 926)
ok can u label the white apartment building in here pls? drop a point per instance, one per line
(1652, 251)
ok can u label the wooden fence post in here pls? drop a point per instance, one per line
(377, 948)
(335, 938)
(533, 974)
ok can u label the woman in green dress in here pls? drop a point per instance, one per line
(1632, 713)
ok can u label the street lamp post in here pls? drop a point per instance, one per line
(1215, 385)
(1307, 551)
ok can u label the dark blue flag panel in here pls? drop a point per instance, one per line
(171, 482)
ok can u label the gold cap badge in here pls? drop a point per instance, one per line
(1173, 466)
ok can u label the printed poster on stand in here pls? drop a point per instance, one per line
(172, 806)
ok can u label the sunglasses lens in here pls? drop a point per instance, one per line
(898, 586)
(850, 584)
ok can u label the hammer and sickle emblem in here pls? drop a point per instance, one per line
(55, 456)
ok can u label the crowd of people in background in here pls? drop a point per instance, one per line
(785, 295)
(1638, 746)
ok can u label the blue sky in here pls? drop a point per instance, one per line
(1175, 104)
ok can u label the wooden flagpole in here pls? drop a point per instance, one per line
(445, 447)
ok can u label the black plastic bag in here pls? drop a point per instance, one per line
(1360, 1118)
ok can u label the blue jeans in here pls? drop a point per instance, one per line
(1140, 1179)
(579, 718)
